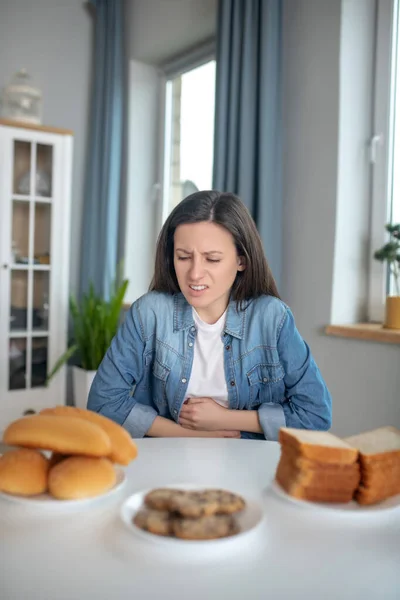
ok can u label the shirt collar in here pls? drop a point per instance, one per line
(235, 319)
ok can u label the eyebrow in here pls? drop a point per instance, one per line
(188, 252)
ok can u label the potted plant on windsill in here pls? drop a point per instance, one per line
(390, 253)
(95, 322)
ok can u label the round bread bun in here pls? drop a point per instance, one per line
(80, 477)
(66, 435)
(123, 448)
(23, 472)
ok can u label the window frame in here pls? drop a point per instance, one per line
(381, 151)
(172, 69)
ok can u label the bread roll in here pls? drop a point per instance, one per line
(80, 477)
(23, 472)
(123, 449)
(66, 435)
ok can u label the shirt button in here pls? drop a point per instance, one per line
(228, 347)
(193, 329)
(265, 379)
(190, 344)
(232, 383)
(184, 380)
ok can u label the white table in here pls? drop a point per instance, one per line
(298, 553)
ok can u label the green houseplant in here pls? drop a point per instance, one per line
(94, 323)
(390, 253)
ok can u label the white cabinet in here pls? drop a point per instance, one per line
(35, 186)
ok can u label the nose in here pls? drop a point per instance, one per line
(196, 271)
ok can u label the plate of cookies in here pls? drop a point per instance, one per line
(64, 457)
(182, 514)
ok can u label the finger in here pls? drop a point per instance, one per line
(188, 414)
(186, 423)
(185, 412)
(192, 401)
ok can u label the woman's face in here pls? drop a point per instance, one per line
(206, 264)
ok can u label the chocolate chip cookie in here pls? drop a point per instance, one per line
(206, 503)
(204, 528)
(154, 521)
(161, 498)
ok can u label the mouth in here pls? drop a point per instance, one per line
(198, 288)
(196, 291)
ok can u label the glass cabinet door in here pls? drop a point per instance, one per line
(30, 268)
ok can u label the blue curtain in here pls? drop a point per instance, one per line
(103, 175)
(247, 148)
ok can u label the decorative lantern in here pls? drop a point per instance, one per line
(22, 101)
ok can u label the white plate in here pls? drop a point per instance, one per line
(49, 503)
(248, 520)
(352, 507)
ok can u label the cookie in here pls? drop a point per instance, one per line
(204, 528)
(206, 503)
(228, 503)
(154, 521)
(161, 499)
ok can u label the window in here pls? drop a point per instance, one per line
(385, 148)
(189, 133)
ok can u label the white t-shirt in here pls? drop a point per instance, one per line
(207, 379)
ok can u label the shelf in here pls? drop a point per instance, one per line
(36, 333)
(365, 331)
(32, 127)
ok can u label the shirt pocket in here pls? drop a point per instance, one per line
(159, 380)
(265, 384)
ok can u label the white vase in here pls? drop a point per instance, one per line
(82, 381)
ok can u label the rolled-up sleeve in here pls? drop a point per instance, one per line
(272, 418)
(112, 391)
(307, 403)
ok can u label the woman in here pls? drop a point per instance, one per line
(211, 350)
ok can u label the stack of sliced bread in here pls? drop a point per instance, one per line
(317, 466)
(379, 457)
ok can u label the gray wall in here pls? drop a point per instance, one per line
(52, 39)
(364, 377)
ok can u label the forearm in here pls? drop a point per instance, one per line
(243, 420)
(162, 427)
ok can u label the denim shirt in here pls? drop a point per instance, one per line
(268, 366)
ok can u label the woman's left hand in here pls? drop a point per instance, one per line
(203, 414)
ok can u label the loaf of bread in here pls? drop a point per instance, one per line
(23, 472)
(65, 435)
(123, 449)
(79, 477)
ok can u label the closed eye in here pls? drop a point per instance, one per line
(211, 260)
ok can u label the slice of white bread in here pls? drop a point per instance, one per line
(317, 445)
(377, 445)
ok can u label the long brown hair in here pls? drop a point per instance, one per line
(227, 210)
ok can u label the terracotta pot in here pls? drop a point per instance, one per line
(392, 317)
